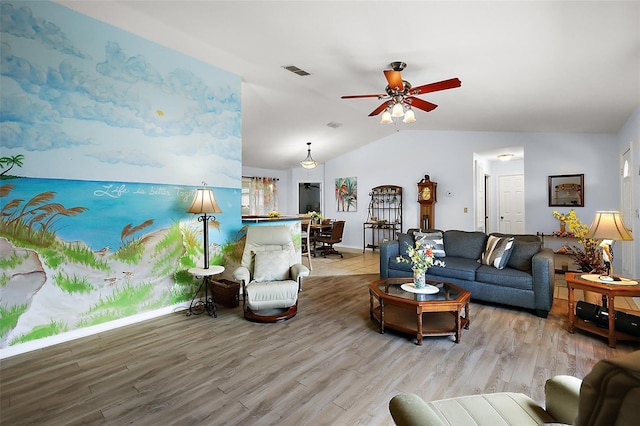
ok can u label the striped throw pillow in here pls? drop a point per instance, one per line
(497, 251)
(434, 239)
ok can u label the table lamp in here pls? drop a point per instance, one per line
(608, 227)
(204, 202)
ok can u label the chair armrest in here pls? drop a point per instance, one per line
(411, 410)
(561, 398)
(388, 249)
(298, 271)
(242, 274)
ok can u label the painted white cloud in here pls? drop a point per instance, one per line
(130, 104)
(21, 22)
(125, 156)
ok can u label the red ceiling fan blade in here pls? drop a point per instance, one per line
(434, 87)
(421, 104)
(378, 110)
(395, 80)
(379, 95)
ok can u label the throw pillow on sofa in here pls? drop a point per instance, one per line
(404, 242)
(522, 253)
(433, 239)
(497, 251)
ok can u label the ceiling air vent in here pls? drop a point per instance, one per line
(295, 70)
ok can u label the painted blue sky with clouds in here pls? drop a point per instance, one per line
(82, 98)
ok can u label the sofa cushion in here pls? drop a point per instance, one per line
(506, 277)
(465, 244)
(394, 263)
(433, 239)
(519, 237)
(497, 251)
(456, 267)
(404, 242)
(522, 253)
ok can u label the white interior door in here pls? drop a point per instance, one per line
(480, 197)
(511, 204)
(626, 249)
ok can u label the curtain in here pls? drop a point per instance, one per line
(263, 195)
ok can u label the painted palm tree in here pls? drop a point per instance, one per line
(15, 160)
(346, 193)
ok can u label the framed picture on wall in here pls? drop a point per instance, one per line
(566, 190)
(346, 194)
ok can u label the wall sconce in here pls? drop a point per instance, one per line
(204, 203)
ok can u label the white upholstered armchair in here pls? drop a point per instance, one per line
(270, 274)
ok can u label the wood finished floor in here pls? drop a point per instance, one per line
(327, 366)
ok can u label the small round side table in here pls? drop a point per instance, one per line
(209, 305)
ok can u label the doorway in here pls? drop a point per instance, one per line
(309, 197)
(511, 204)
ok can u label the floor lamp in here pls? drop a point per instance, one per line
(205, 203)
(608, 227)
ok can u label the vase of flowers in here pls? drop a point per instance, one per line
(589, 256)
(316, 217)
(419, 280)
(421, 258)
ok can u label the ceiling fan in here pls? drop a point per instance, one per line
(400, 95)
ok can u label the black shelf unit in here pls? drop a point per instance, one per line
(384, 216)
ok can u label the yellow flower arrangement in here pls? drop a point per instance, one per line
(589, 257)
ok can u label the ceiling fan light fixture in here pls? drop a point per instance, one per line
(386, 117)
(309, 162)
(409, 116)
(397, 110)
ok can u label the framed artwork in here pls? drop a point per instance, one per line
(566, 190)
(346, 194)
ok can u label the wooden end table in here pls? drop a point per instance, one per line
(609, 291)
(397, 309)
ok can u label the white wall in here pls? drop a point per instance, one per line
(403, 159)
(629, 136)
(406, 156)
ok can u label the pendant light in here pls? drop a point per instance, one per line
(309, 163)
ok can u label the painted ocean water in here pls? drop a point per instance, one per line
(113, 205)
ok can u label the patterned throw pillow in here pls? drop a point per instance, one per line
(272, 265)
(497, 251)
(434, 239)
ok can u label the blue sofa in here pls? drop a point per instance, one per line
(527, 279)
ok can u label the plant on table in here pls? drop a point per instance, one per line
(589, 257)
(422, 258)
(316, 217)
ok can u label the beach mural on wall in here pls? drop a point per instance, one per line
(105, 136)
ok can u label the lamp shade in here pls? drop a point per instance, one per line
(608, 226)
(397, 110)
(204, 202)
(386, 117)
(409, 116)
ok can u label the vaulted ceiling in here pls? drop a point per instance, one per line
(538, 66)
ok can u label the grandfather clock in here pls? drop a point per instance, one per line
(427, 199)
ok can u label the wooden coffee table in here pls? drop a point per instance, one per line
(439, 314)
(609, 291)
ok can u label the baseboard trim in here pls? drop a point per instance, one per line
(22, 348)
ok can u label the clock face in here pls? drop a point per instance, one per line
(425, 194)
